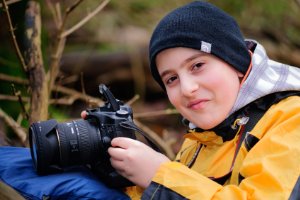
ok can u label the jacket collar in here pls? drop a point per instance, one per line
(266, 77)
(226, 130)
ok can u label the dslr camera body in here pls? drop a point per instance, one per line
(57, 147)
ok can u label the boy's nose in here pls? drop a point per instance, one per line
(188, 87)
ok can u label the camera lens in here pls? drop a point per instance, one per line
(55, 145)
(43, 145)
(79, 142)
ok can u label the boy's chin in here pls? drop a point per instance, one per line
(205, 125)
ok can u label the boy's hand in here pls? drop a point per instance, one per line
(83, 114)
(135, 160)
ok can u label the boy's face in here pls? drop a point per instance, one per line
(202, 87)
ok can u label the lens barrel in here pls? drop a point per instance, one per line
(44, 145)
(78, 142)
(55, 146)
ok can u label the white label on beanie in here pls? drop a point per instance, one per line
(205, 47)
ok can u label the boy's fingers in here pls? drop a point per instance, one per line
(83, 114)
(122, 142)
(116, 153)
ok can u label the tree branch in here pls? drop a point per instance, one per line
(138, 72)
(14, 79)
(78, 95)
(71, 8)
(54, 13)
(154, 136)
(21, 102)
(9, 2)
(16, 46)
(15, 126)
(156, 113)
(133, 99)
(86, 19)
(13, 98)
(61, 39)
(74, 95)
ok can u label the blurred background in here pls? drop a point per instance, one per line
(112, 48)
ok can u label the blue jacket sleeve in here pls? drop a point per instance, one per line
(17, 171)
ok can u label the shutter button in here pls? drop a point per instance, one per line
(122, 113)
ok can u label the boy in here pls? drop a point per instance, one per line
(243, 113)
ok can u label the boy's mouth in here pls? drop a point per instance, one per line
(197, 104)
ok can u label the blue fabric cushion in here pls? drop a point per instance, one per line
(16, 170)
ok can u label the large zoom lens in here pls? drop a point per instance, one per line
(55, 146)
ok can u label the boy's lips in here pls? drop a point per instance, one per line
(197, 104)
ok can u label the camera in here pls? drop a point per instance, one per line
(56, 147)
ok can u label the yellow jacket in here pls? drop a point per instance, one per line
(213, 165)
(270, 170)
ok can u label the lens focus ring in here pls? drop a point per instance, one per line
(84, 140)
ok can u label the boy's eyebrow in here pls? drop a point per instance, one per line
(183, 63)
(164, 73)
(192, 57)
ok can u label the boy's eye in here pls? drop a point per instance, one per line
(171, 80)
(197, 66)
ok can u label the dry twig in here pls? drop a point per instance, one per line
(82, 86)
(138, 73)
(55, 12)
(85, 19)
(156, 113)
(73, 94)
(60, 41)
(13, 98)
(9, 2)
(16, 46)
(72, 7)
(133, 99)
(13, 79)
(15, 126)
(154, 136)
(21, 102)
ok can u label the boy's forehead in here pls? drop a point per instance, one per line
(182, 51)
(176, 57)
(180, 54)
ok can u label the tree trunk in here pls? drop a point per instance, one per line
(35, 66)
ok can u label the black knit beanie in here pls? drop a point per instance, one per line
(200, 25)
